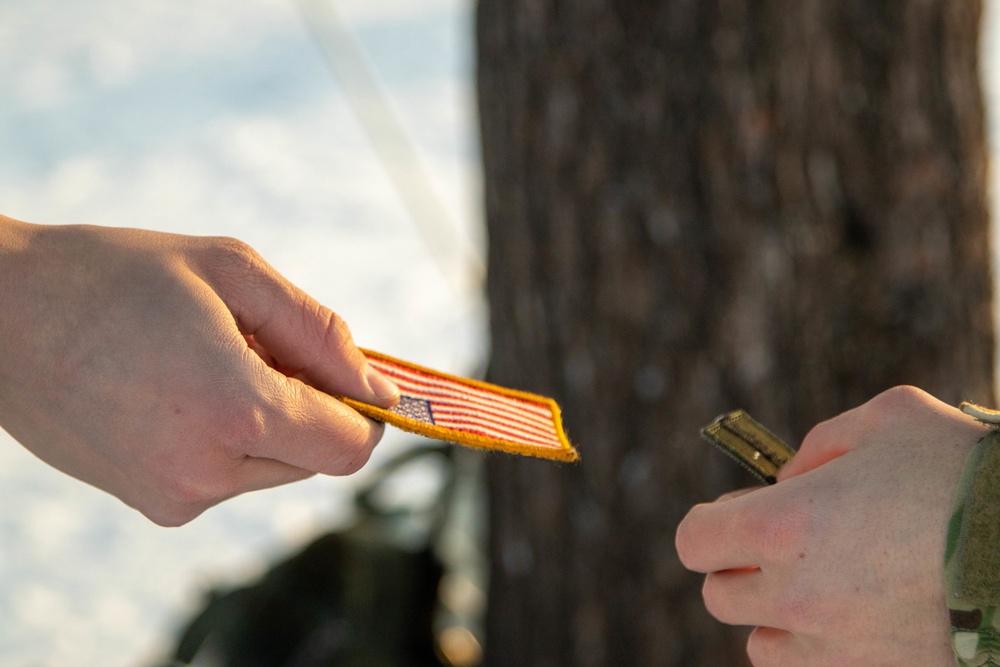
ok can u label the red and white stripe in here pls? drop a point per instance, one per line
(472, 409)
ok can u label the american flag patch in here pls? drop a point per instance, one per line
(469, 412)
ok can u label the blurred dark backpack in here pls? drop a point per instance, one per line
(361, 597)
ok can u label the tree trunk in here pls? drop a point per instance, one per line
(693, 206)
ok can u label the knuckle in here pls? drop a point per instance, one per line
(892, 405)
(780, 534)
(178, 492)
(334, 331)
(900, 396)
(242, 430)
(715, 598)
(235, 262)
(353, 464)
(684, 539)
(355, 444)
(765, 648)
(832, 437)
(886, 410)
(682, 543)
(800, 612)
(226, 249)
(172, 516)
(187, 492)
(820, 433)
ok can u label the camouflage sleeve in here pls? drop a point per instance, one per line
(972, 555)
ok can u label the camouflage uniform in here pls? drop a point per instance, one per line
(972, 556)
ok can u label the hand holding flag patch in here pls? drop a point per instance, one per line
(469, 412)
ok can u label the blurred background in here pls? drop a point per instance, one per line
(344, 147)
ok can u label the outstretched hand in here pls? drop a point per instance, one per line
(173, 371)
(841, 562)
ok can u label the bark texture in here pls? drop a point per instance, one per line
(698, 205)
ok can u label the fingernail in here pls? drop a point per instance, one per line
(381, 386)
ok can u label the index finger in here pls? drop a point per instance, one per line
(738, 531)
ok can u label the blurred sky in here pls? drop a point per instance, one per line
(222, 117)
(219, 117)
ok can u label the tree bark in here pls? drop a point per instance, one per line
(693, 206)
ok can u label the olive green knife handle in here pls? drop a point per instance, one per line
(754, 447)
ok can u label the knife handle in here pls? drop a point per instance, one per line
(752, 446)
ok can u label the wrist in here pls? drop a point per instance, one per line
(18, 301)
(15, 240)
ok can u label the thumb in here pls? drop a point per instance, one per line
(301, 335)
(825, 442)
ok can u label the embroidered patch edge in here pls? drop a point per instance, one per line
(565, 451)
